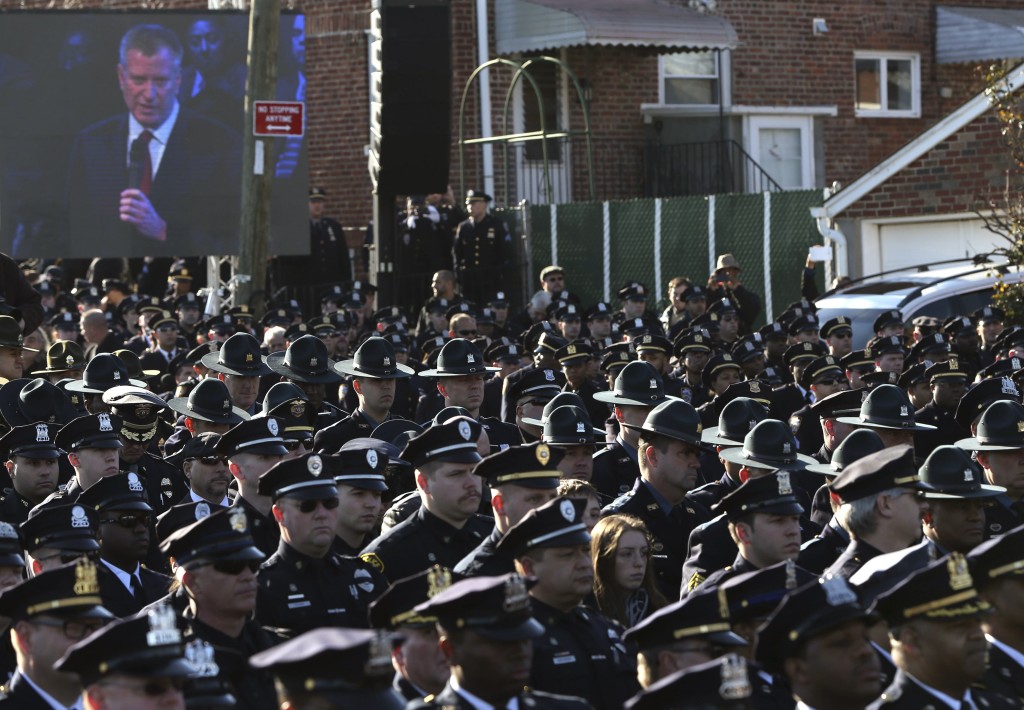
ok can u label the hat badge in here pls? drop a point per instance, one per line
(755, 387)
(202, 510)
(904, 411)
(1008, 387)
(272, 426)
(1020, 427)
(386, 362)
(312, 362)
(968, 476)
(248, 357)
(581, 428)
(69, 360)
(654, 384)
(117, 376)
(787, 448)
(104, 421)
(698, 338)
(516, 597)
(571, 349)
(78, 517)
(464, 430)
(86, 581)
(549, 375)
(239, 523)
(42, 433)
(134, 484)
(785, 488)
(735, 683)
(315, 465)
(200, 655)
(438, 579)
(163, 629)
(959, 576)
(543, 454)
(568, 510)
(371, 458)
(470, 358)
(7, 531)
(837, 591)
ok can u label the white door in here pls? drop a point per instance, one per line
(783, 147)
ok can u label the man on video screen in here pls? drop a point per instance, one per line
(159, 179)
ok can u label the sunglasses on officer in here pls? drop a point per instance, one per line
(129, 520)
(294, 444)
(74, 629)
(236, 567)
(69, 556)
(210, 460)
(308, 506)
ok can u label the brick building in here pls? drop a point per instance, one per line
(810, 93)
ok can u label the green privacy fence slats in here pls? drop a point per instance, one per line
(739, 224)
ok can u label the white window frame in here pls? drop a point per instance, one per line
(915, 85)
(724, 79)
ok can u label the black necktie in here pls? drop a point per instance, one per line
(136, 588)
(146, 179)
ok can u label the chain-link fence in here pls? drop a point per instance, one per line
(604, 245)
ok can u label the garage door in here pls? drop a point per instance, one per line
(911, 243)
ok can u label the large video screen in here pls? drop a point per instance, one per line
(121, 134)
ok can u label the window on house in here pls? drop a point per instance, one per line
(693, 78)
(887, 84)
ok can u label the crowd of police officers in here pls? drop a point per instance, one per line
(368, 508)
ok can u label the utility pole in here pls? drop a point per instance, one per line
(257, 153)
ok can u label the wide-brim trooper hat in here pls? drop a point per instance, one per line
(375, 358)
(951, 474)
(209, 401)
(569, 425)
(638, 384)
(562, 399)
(769, 445)
(26, 401)
(305, 360)
(457, 358)
(103, 372)
(738, 417)
(240, 356)
(858, 444)
(1001, 428)
(674, 419)
(886, 407)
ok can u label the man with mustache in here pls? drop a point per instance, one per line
(446, 527)
(206, 471)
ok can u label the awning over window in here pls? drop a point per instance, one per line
(968, 34)
(534, 25)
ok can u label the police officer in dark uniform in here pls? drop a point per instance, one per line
(217, 563)
(890, 473)
(997, 446)
(768, 446)
(421, 668)
(794, 396)
(49, 613)
(738, 417)
(693, 349)
(937, 641)
(638, 390)
(483, 618)
(996, 568)
(575, 360)
(251, 448)
(98, 432)
(446, 527)
(668, 453)
(31, 457)
(948, 381)
(306, 363)
(125, 526)
(521, 478)
(580, 651)
(822, 377)
(633, 297)
(207, 408)
(482, 249)
(542, 341)
(771, 495)
(304, 585)
(375, 371)
(332, 668)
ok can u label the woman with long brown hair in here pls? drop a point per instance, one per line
(624, 586)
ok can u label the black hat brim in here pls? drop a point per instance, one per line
(210, 361)
(347, 367)
(712, 437)
(974, 444)
(858, 422)
(738, 455)
(437, 373)
(81, 386)
(74, 543)
(980, 493)
(10, 394)
(625, 398)
(180, 405)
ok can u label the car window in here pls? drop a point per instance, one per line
(957, 304)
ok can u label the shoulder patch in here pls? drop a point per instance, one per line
(695, 581)
(374, 560)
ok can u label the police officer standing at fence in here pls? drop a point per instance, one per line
(482, 250)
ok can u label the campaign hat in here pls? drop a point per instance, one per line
(857, 444)
(375, 359)
(62, 356)
(459, 357)
(950, 473)
(239, 355)
(209, 401)
(305, 360)
(104, 371)
(10, 335)
(638, 384)
(738, 417)
(568, 425)
(886, 407)
(1001, 428)
(674, 419)
(770, 444)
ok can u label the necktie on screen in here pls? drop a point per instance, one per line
(141, 144)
